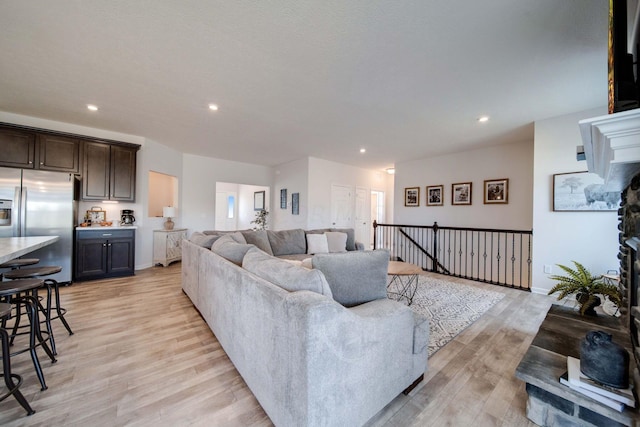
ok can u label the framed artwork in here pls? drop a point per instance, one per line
(435, 195)
(461, 193)
(283, 198)
(496, 191)
(258, 201)
(295, 203)
(582, 191)
(96, 216)
(412, 196)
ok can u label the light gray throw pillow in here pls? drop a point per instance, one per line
(355, 277)
(287, 242)
(285, 274)
(258, 238)
(203, 240)
(228, 247)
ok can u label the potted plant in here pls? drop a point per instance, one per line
(586, 287)
(261, 220)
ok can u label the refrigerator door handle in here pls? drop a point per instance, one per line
(23, 212)
(15, 213)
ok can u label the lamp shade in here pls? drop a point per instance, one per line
(168, 212)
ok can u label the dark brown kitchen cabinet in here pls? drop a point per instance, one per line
(18, 148)
(108, 172)
(58, 153)
(104, 253)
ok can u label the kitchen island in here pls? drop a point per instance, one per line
(14, 247)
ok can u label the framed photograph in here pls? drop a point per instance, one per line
(258, 201)
(582, 191)
(283, 198)
(412, 196)
(496, 191)
(435, 195)
(461, 193)
(295, 203)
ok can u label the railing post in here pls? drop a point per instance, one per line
(434, 267)
(375, 237)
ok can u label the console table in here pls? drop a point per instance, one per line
(167, 245)
(551, 403)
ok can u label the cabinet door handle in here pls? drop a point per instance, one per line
(104, 245)
(107, 234)
(109, 244)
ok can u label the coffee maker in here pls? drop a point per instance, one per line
(127, 217)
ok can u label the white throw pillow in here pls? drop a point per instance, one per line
(336, 241)
(317, 244)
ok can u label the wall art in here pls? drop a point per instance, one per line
(435, 195)
(496, 191)
(582, 191)
(461, 193)
(412, 196)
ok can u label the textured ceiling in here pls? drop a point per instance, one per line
(322, 78)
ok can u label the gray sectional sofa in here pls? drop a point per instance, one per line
(317, 347)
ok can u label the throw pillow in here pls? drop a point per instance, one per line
(355, 277)
(258, 238)
(227, 247)
(337, 241)
(284, 274)
(317, 244)
(203, 240)
(287, 242)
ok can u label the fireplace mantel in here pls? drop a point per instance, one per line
(612, 147)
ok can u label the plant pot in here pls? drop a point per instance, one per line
(589, 310)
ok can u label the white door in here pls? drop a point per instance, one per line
(363, 216)
(341, 206)
(226, 211)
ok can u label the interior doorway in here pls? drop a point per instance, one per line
(377, 210)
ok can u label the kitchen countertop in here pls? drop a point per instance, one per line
(14, 247)
(110, 227)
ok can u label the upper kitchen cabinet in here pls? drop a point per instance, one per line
(109, 172)
(18, 148)
(58, 153)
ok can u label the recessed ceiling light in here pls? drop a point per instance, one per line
(213, 107)
(483, 119)
(363, 150)
(92, 107)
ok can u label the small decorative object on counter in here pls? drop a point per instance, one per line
(604, 361)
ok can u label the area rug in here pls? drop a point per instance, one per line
(450, 307)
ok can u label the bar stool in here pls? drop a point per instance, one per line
(5, 311)
(25, 293)
(18, 262)
(40, 272)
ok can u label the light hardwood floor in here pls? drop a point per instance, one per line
(141, 355)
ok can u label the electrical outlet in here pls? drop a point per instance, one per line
(547, 269)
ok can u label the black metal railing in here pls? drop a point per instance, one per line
(499, 257)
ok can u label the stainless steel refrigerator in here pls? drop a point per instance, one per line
(40, 203)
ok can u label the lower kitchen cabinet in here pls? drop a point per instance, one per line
(104, 253)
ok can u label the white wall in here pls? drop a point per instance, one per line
(590, 238)
(513, 161)
(246, 212)
(200, 175)
(294, 177)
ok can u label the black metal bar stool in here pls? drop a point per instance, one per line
(25, 293)
(37, 273)
(19, 262)
(9, 378)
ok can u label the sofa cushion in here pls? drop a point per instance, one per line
(355, 277)
(317, 244)
(337, 241)
(228, 247)
(285, 274)
(287, 242)
(202, 239)
(258, 238)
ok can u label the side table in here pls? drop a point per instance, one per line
(167, 245)
(404, 280)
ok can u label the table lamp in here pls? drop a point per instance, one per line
(168, 212)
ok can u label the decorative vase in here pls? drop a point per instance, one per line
(604, 361)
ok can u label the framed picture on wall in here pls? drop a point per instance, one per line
(496, 191)
(435, 195)
(582, 191)
(258, 200)
(461, 193)
(295, 203)
(283, 198)
(412, 196)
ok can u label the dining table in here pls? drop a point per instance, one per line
(14, 247)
